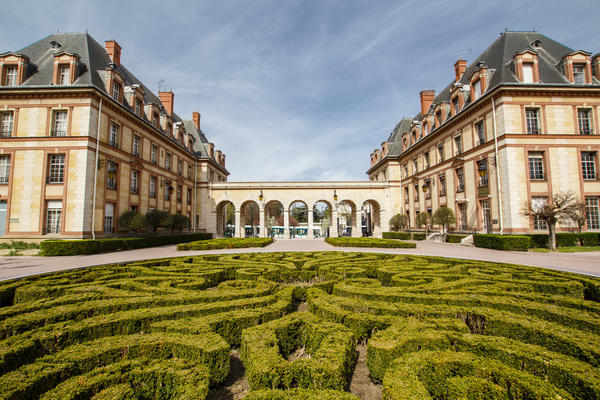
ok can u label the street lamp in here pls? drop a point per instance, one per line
(260, 196)
(171, 190)
(335, 197)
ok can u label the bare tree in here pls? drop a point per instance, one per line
(551, 211)
(578, 214)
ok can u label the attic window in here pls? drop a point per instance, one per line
(579, 74)
(477, 89)
(10, 75)
(64, 77)
(455, 105)
(55, 45)
(528, 72)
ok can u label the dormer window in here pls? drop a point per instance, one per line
(138, 107)
(155, 120)
(477, 89)
(438, 118)
(64, 77)
(11, 75)
(527, 72)
(579, 74)
(116, 90)
(455, 105)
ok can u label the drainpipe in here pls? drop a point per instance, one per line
(194, 208)
(96, 169)
(497, 168)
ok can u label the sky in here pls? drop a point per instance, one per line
(298, 90)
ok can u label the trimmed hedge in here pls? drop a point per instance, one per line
(502, 242)
(454, 238)
(405, 235)
(566, 239)
(90, 246)
(228, 243)
(299, 394)
(369, 242)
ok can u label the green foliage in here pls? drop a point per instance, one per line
(398, 222)
(454, 238)
(132, 221)
(156, 219)
(422, 219)
(368, 242)
(90, 246)
(180, 222)
(434, 328)
(502, 242)
(19, 245)
(397, 235)
(443, 216)
(229, 243)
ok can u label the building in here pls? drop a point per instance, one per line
(516, 125)
(82, 140)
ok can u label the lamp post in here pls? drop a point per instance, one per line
(260, 196)
(335, 196)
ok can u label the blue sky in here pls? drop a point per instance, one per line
(298, 90)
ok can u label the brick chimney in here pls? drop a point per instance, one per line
(427, 97)
(218, 156)
(196, 118)
(168, 100)
(114, 51)
(211, 150)
(223, 160)
(459, 69)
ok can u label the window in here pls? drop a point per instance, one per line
(536, 204)
(64, 75)
(111, 175)
(405, 170)
(134, 181)
(170, 130)
(588, 166)
(53, 216)
(442, 179)
(11, 76)
(426, 128)
(189, 196)
(527, 72)
(480, 129)
(532, 121)
(462, 216)
(426, 159)
(428, 186)
(56, 168)
(109, 215)
(136, 146)
(179, 167)
(584, 118)
(168, 161)
(6, 126)
(116, 91)
(482, 172)
(189, 172)
(416, 192)
(579, 74)
(153, 187)
(441, 154)
(455, 105)
(536, 166)
(460, 180)
(167, 187)
(415, 166)
(155, 120)
(406, 194)
(593, 213)
(138, 107)
(153, 152)
(179, 193)
(477, 89)
(486, 216)
(59, 127)
(113, 137)
(438, 118)
(458, 144)
(4, 169)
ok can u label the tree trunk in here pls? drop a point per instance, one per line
(552, 236)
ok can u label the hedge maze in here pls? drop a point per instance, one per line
(434, 328)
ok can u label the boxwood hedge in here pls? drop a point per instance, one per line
(369, 242)
(231, 243)
(434, 328)
(502, 242)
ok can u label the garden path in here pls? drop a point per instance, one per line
(583, 263)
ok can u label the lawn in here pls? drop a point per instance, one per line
(292, 325)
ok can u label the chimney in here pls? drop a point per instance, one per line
(459, 69)
(427, 97)
(196, 118)
(211, 150)
(114, 51)
(167, 99)
(218, 156)
(223, 160)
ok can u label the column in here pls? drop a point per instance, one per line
(238, 224)
(261, 222)
(286, 224)
(357, 223)
(333, 228)
(309, 234)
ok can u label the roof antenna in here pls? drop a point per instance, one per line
(159, 83)
(462, 54)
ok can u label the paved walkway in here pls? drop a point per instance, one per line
(583, 263)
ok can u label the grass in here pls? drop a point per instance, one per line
(567, 249)
(19, 245)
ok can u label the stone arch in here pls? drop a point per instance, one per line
(222, 223)
(322, 218)
(273, 214)
(298, 221)
(249, 219)
(371, 218)
(346, 218)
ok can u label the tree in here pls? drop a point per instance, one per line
(398, 222)
(443, 216)
(551, 211)
(156, 218)
(423, 219)
(179, 222)
(132, 221)
(578, 214)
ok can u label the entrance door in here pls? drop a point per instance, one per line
(2, 217)
(486, 216)
(462, 209)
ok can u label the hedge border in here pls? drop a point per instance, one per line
(369, 242)
(227, 243)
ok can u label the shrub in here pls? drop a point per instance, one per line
(418, 236)
(590, 238)
(90, 246)
(454, 238)
(398, 221)
(538, 240)
(228, 243)
(132, 221)
(397, 235)
(369, 242)
(502, 242)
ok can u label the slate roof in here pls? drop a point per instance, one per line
(498, 58)
(93, 62)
